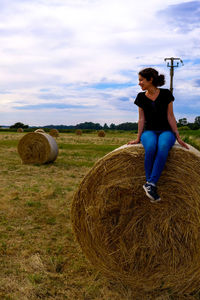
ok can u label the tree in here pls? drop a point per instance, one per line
(112, 126)
(19, 125)
(105, 126)
(183, 121)
(89, 125)
(127, 126)
(197, 120)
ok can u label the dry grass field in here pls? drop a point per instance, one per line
(39, 257)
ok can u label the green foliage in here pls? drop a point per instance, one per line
(183, 128)
(183, 121)
(127, 126)
(197, 120)
(35, 278)
(19, 125)
(105, 126)
(193, 126)
(89, 125)
(36, 204)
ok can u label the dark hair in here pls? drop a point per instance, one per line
(148, 73)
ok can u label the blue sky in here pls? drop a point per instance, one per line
(72, 61)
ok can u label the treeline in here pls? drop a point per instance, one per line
(123, 126)
(128, 126)
(83, 126)
(97, 126)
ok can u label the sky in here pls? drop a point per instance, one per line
(73, 61)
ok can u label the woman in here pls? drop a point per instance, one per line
(157, 127)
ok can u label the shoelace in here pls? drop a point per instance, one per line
(153, 188)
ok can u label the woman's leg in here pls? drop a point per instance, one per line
(165, 142)
(149, 141)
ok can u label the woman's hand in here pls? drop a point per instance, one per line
(182, 143)
(134, 142)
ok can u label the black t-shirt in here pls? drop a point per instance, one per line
(155, 111)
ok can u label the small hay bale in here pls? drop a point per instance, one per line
(101, 133)
(78, 132)
(150, 247)
(37, 148)
(40, 130)
(54, 132)
(20, 130)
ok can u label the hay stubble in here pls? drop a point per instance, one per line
(39, 258)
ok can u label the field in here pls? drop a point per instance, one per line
(39, 257)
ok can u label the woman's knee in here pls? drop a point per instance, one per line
(166, 140)
(148, 138)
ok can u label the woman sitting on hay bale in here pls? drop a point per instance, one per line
(157, 127)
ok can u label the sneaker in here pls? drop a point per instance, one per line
(151, 192)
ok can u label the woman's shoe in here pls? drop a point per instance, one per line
(151, 192)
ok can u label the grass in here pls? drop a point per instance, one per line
(39, 257)
(192, 137)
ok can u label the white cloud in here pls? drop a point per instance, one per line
(65, 45)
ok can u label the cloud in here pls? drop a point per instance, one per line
(110, 85)
(197, 83)
(124, 99)
(51, 96)
(87, 53)
(46, 106)
(184, 16)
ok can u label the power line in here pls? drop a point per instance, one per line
(172, 66)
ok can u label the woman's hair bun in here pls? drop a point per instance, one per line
(148, 73)
(160, 80)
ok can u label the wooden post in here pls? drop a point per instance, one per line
(172, 66)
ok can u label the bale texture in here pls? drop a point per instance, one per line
(37, 148)
(54, 132)
(40, 130)
(78, 132)
(101, 133)
(151, 247)
(20, 130)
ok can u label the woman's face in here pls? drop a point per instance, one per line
(144, 83)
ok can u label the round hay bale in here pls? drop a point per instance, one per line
(151, 247)
(101, 133)
(37, 148)
(78, 132)
(40, 130)
(20, 130)
(54, 132)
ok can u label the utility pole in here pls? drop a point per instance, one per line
(172, 66)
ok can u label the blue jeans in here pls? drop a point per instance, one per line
(156, 145)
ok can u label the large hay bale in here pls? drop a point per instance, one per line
(20, 130)
(101, 133)
(37, 148)
(78, 132)
(40, 130)
(54, 132)
(151, 247)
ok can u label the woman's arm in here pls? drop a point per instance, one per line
(172, 123)
(141, 122)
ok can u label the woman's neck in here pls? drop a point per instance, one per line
(152, 90)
